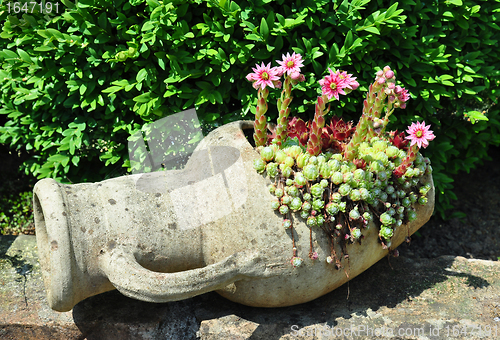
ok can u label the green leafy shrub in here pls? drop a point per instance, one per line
(76, 85)
(16, 214)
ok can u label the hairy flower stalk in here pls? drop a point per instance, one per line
(383, 96)
(289, 67)
(283, 111)
(262, 77)
(260, 124)
(314, 144)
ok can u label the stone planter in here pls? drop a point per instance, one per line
(171, 235)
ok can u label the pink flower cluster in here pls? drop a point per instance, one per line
(265, 75)
(335, 83)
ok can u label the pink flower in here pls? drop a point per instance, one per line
(290, 64)
(333, 84)
(403, 95)
(419, 134)
(349, 80)
(263, 76)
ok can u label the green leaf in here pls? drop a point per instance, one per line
(141, 75)
(252, 36)
(264, 30)
(83, 88)
(475, 116)
(211, 117)
(24, 56)
(75, 160)
(348, 40)
(112, 89)
(143, 98)
(55, 33)
(10, 54)
(148, 25)
(372, 29)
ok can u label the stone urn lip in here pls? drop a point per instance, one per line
(54, 243)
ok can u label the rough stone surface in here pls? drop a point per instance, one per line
(443, 298)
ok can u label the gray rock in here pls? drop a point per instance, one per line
(430, 296)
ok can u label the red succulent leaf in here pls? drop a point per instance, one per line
(360, 163)
(340, 129)
(272, 134)
(398, 139)
(300, 129)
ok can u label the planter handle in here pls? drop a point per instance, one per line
(135, 281)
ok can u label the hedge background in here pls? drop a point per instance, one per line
(75, 85)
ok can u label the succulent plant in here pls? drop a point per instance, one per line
(355, 195)
(337, 177)
(279, 192)
(302, 160)
(259, 165)
(293, 191)
(425, 189)
(324, 183)
(287, 171)
(324, 170)
(286, 200)
(367, 216)
(356, 233)
(289, 161)
(318, 204)
(354, 214)
(272, 169)
(320, 220)
(296, 261)
(386, 232)
(412, 215)
(267, 154)
(406, 202)
(300, 180)
(311, 221)
(295, 204)
(311, 172)
(361, 167)
(317, 190)
(422, 200)
(336, 197)
(332, 208)
(280, 157)
(386, 219)
(284, 209)
(275, 204)
(345, 189)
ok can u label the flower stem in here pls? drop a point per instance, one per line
(314, 144)
(283, 112)
(365, 129)
(260, 124)
(405, 164)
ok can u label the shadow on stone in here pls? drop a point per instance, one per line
(388, 283)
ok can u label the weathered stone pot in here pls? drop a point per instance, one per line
(171, 235)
